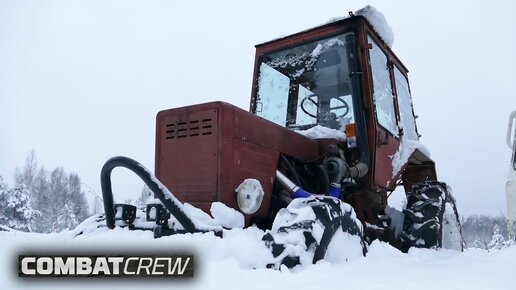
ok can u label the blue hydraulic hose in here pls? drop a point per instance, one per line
(301, 193)
(334, 190)
(298, 192)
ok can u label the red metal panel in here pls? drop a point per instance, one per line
(226, 188)
(386, 147)
(257, 144)
(187, 153)
(252, 161)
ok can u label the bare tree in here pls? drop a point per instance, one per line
(27, 174)
(40, 200)
(79, 203)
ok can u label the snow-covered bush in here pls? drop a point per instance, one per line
(497, 240)
(16, 211)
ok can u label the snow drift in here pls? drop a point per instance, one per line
(227, 264)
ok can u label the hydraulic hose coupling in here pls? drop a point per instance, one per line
(336, 168)
(334, 190)
(289, 186)
(358, 171)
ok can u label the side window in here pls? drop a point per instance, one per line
(405, 105)
(382, 91)
(273, 95)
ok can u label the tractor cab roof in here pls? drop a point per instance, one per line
(371, 21)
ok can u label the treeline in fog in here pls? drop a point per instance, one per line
(42, 200)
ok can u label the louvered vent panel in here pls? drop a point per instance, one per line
(190, 128)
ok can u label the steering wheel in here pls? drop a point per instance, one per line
(310, 98)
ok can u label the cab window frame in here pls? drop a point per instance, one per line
(410, 100)
(293, 105)
(372, 40)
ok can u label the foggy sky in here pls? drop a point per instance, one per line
(82, 81)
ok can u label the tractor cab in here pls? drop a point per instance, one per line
(342, 76)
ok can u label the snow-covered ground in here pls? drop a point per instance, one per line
(228, 264)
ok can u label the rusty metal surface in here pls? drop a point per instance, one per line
(200, 169)
(386, 147)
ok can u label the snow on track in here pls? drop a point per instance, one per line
(227, 264)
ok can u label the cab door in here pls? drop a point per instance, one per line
(387, 138)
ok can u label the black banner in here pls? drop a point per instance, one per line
(105, 266)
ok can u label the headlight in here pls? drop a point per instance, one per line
(249, 196)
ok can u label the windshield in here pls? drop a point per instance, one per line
(307, 85)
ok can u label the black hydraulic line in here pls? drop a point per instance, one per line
(292, 170)
(150, 181)
(325, 178)
(300, 181)
(320, 174)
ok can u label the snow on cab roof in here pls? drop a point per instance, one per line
(379, 23)
(373, 16)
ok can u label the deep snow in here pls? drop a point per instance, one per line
(227, 264)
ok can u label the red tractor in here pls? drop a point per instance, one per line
(331, 128)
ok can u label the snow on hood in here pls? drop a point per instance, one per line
(320, 132)
(377, 20)
(407, 147)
